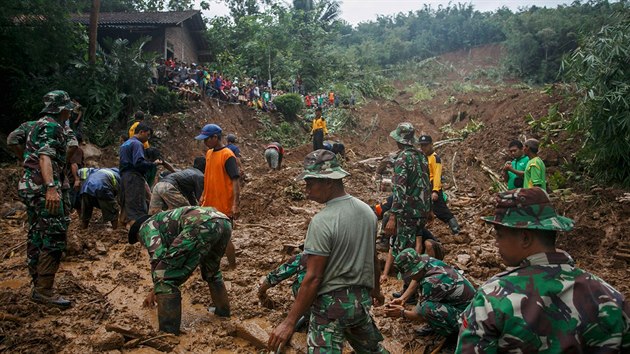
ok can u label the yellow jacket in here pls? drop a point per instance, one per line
(132, 132)
(319, 123)
(435, 172)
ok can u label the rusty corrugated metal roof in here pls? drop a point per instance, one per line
(145, 18)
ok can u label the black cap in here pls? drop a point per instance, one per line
(132, 236)
(425, 139)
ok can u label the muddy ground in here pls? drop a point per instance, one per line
(107, 279)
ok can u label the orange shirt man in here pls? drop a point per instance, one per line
(221, 188)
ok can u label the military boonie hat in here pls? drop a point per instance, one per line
(410, 263)
(425, 139)
(56, 101)
(404, 134)
(528, 208)
(322, 164)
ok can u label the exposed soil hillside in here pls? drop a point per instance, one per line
(108, 279)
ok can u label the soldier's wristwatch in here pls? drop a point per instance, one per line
(51, 185)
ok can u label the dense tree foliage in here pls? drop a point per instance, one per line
(601, 70)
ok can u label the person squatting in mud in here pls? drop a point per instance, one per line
(44, 190)
(443, 293)
(294, 266)
(342, 271)
(178, 241)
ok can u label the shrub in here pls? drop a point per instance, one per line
(289, 105)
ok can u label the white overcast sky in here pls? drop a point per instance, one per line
(355, 11)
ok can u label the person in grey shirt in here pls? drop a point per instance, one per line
(181, 188)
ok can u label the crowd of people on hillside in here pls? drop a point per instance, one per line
(185, 218)
(195, 81)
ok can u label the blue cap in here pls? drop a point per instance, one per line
(208, 131)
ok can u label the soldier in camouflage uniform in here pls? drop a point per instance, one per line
(16, 140)
(544, 303)
(342, 274)
(42, 189)
(412, 194)
(443, 293)
(178, 241)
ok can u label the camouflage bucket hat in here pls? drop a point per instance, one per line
(56, 101)
(322, 164)
(528, 208)
(404, 134)
(410, 263)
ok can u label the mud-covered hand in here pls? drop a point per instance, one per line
(397, 302)
(53, 201)
(378, 298)
(150, 300)
(262, 289)
(280, 336)
(434, 196)
(393, 310)
(390, 227)
(235, 212)
(77, 185)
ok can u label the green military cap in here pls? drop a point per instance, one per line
(404, 134)
(410, 263)
(528, 208)
(56, 101)
(322, 164)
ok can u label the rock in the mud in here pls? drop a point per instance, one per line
(91, 151)
(109, 341)
(463, 259)
(253, 333)
(100, 248)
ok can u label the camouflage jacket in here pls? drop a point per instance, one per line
(19, 135)
(442, 283)
(295, 265)
(410, 185)
(45, 137)
(546, 305)
(196, 236)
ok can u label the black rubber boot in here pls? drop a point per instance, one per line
(453, 225)
(169, 312)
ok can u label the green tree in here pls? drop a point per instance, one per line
(601, 71)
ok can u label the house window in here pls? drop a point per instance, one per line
(170, 50)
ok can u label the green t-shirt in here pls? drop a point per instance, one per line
(535, 174)
(345, 232)
(519, 164)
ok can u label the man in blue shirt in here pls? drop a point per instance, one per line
(99, 188)
(133, 167)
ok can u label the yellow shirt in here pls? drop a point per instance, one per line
(435, 172)
(132, 132)
(319, 123)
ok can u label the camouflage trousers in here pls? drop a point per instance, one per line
(343, 314)
(46, 232)
(406, 232)
(443, 318)
(200, 245)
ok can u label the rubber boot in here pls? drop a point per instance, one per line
(169, 312)
(43, 285)
(43, 293)
(452, 223)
